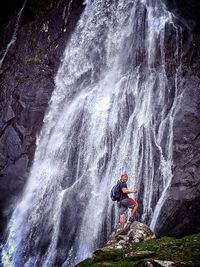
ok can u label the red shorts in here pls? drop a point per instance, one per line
(126, 203)
(132, 201)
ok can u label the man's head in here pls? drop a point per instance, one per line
(124, 177)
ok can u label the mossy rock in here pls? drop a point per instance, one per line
(108, 255)
(185, 250)
(135, 255)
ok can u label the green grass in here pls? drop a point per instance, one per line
(121, 263)
(186, 250)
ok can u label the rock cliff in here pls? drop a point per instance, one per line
(179, 215)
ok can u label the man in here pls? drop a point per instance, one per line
(125, 202)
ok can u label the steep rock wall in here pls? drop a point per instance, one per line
(187, 11)
(179, 215)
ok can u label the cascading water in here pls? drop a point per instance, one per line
(112, 110)
(14, 35)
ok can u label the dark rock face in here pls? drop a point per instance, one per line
(180, 213)
(27, 81)
(8, 9)
(187, 11)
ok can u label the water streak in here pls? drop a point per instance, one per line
(14, 35)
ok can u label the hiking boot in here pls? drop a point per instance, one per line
(122, 232)
(131, 219)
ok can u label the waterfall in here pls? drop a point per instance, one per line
(112, 110)
(14, 35)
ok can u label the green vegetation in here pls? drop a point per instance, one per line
(39, 8)
(33, 61)
(185, 250)
(37, 58)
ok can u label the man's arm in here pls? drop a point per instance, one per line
(128, 191)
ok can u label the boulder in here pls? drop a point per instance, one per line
(136, 232)
(160, 263)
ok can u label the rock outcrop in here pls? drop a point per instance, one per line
(136, 232)
(160, 263)
(140, 248)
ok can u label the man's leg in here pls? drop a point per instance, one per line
(134, 209)
(133, 206)
(122, 222)
(123, 211)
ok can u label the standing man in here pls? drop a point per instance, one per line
(126, 202)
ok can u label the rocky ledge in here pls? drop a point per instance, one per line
(140, 248)
(136, 232)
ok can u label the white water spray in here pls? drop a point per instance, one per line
(110, 111)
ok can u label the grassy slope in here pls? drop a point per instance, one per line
(186, 249)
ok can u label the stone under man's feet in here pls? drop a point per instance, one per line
(122, 232)
(131, 219)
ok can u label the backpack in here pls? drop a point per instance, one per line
(115, 192)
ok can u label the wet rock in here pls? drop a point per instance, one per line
(3, 160)
(161, 263)
(135, 255)
(187, 11)
(136, 232)
(179, 215)
(11, 144)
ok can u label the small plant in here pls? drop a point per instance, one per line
(33, 61)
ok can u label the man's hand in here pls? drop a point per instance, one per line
(129, 191)
(134, 190)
